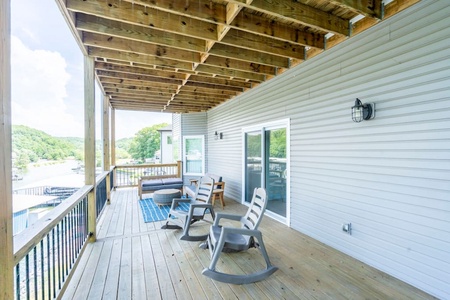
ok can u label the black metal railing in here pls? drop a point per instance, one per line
(101, 194)
(128, 175)
(46, 252)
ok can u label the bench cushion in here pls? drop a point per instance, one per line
(159, 184)
(152, 182)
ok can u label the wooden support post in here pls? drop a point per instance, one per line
(89, 142)
(113, 143)
(106, 146)
(6, 210)
(179, 168)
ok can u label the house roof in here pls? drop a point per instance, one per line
(190, 56)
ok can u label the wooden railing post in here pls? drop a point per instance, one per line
(6, 211)
(89, 142)
(179, 168)
(106, 146)
(113, 144)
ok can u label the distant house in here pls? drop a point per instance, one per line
(166, 153)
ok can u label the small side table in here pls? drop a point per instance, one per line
(219, 192)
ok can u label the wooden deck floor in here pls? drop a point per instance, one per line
(136, 260)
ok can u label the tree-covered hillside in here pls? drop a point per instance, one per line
(30, 145)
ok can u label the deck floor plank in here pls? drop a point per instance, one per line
(138, 278)
(125, 282)
(101, 271)
(151, 275)
(112, 279)
(195, 288)
(90, 268)
(164, 281)
(178, 281)
(136, 260)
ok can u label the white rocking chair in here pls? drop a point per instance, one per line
(231, 239)
(197, 209)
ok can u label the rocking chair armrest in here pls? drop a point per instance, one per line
(201, 205)
(243, 231)
(226, 216)
(176, 201)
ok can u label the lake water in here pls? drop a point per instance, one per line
(57, 174)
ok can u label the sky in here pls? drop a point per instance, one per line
(47, 76)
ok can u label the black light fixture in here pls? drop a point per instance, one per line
(362, 111)
(218, 135)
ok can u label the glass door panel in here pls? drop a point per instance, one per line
(253, 163)
(275, 170)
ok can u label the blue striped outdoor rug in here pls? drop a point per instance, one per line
(153, 212)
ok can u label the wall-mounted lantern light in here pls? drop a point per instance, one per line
(218, 135)
(362, 111)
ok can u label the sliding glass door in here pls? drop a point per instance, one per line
(253, 178)
(266, 157)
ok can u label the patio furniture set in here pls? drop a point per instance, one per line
(220, 238)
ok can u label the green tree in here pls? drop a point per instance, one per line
(146, 142)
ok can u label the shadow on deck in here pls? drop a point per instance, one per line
(136, 260)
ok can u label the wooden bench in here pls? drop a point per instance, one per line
(149, 184)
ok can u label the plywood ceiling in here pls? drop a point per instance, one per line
(183, 56)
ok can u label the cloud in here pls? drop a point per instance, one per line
(39, 82)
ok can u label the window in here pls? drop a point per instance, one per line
(194, 155)
(169, 140)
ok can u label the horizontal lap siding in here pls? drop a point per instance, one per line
(389, 177)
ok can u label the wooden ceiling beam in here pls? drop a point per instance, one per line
(138, 70)
(231, 73)
(268, 28)
(97, 24)
(368, 8)
(196, 89)
(128, 93)
(140, 58)
(112, 74)
(130, 82)
(249, 56)
(220, 81)
(139, 89)
(299, 13)
(121, 44)
(138, 14)
(233, 64)
(243, 39)
(199, 9)
(213, 86)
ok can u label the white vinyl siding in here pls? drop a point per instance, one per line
(389, 177)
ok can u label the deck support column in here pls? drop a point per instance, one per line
(106, 147)
(6, 209)
(113, 143)
(89, 142)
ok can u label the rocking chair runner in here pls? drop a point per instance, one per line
(230, 239)
(197, 209)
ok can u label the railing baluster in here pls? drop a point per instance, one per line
(27, 276)
(42, 269)
(18, 281)
(35, 272)
(58, 254)
(48, 266)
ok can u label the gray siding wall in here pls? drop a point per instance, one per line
(389, 177)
